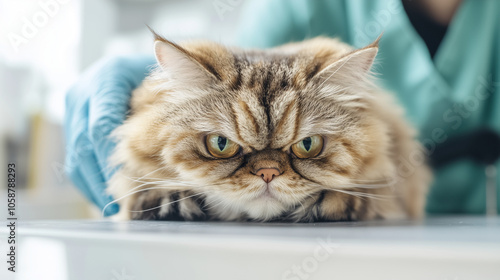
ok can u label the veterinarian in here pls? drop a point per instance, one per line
(441, 59)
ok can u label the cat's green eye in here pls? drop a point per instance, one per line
(308, 147)
(220, 146)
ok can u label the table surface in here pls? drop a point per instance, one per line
(455, 248)
(464, 229)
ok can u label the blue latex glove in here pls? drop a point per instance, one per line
(95, 106)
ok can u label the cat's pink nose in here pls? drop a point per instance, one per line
(268, 174)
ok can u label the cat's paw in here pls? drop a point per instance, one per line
(168, 205)
(337, 206)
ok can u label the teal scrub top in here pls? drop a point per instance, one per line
(453, 94)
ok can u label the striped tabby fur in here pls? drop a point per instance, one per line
(265, 101)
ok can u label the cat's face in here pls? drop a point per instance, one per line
(259, 133)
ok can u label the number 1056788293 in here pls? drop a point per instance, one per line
(11, 189)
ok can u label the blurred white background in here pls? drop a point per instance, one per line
(44, 47)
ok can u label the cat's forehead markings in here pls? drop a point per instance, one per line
(249, 124)
(267, 114)
(248, 114)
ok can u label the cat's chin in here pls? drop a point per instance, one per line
(264, 208)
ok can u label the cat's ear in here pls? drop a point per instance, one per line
(179, 65)
(351, 67)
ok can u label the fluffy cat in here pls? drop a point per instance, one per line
(296, 133)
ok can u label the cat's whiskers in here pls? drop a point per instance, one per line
(134, 192)
(141, 181)
(105, 169)
(361, 195)
(219, 202)
(138, 179)
(149, 183)
(366, 186)
(371, 181)
(168, 184)
(165, 204)
(164, 182)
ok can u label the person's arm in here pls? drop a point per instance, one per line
(95, 106)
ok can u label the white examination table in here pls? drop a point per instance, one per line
(441, 248)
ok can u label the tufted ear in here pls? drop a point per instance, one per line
(179, 65)
(352, 67)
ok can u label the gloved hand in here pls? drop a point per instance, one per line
(95, 106)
